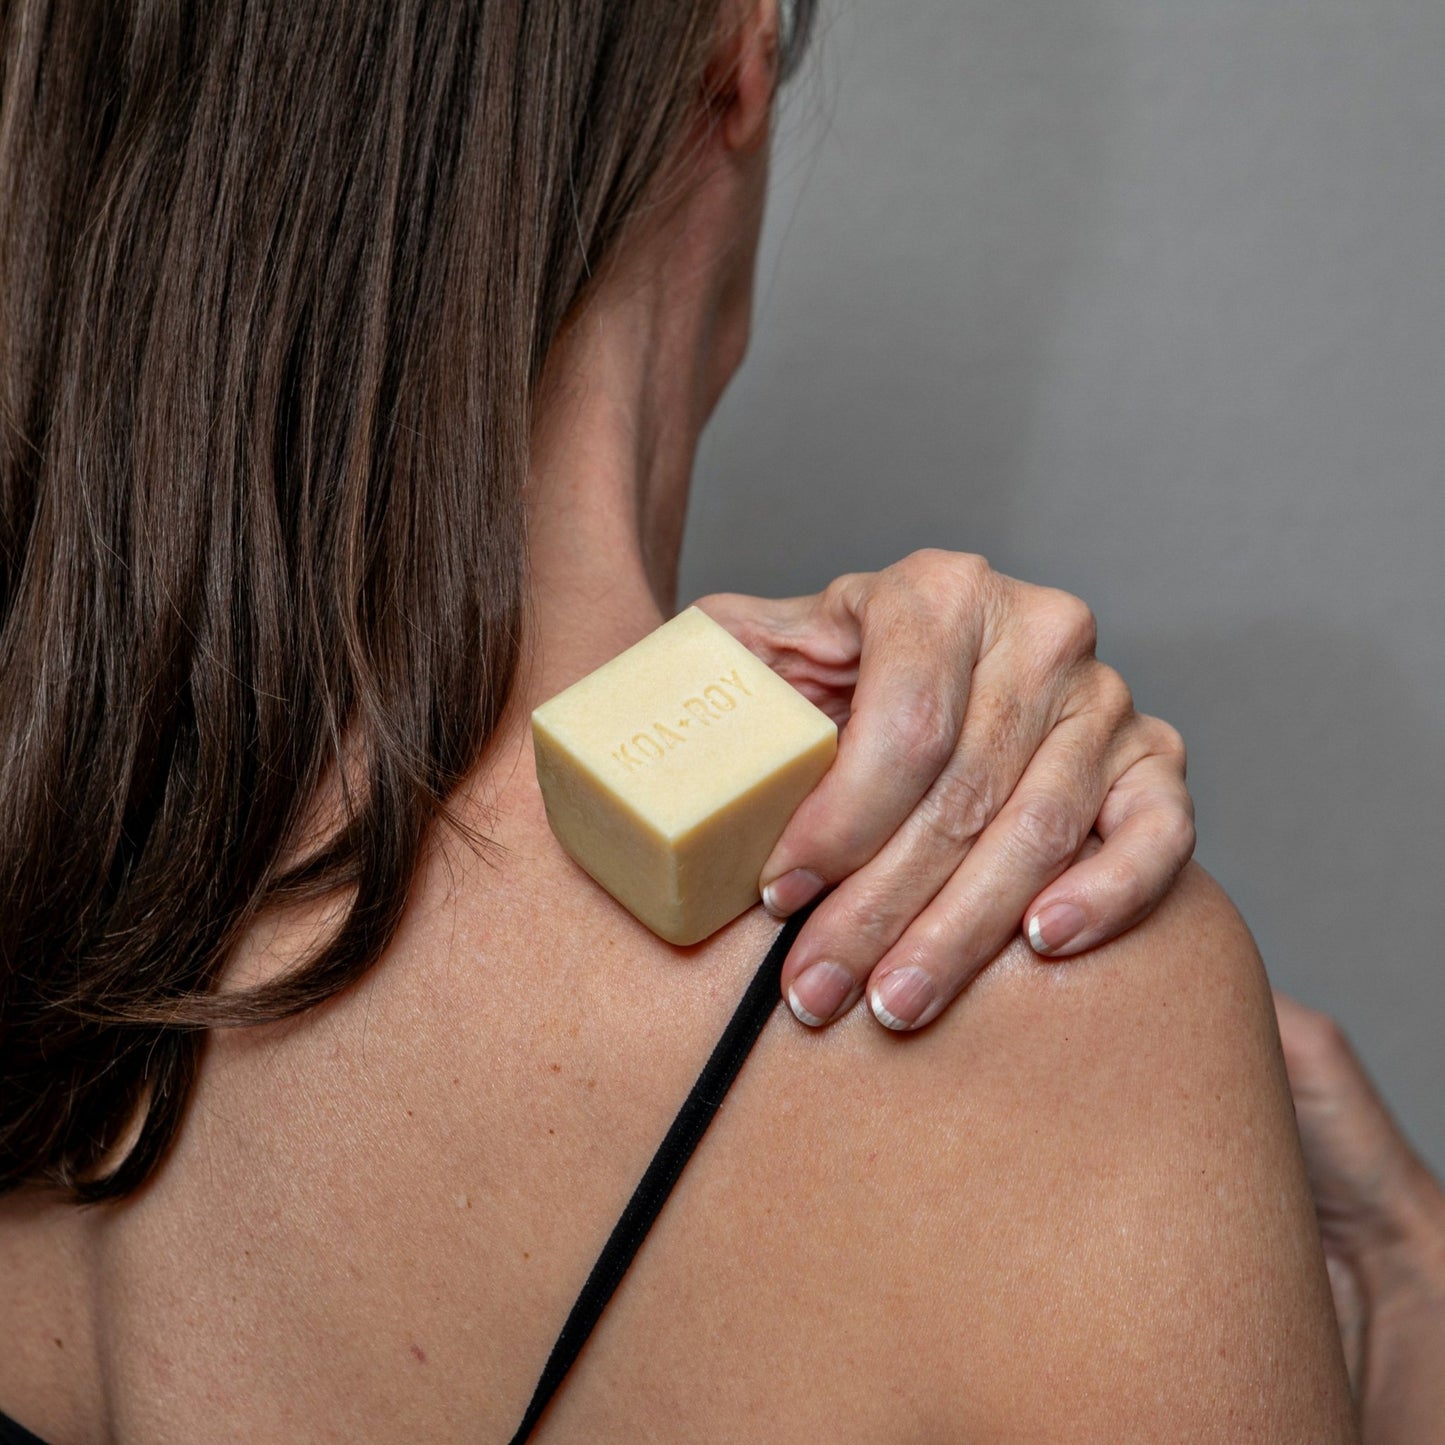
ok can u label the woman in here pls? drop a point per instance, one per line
(295, 305)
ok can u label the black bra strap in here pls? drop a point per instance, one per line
(12, 1432)
(667, 1164)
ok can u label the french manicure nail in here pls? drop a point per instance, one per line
(794, 890)
(1055, 927)
(901, 999)
(819, 992)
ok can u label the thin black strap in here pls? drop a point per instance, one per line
(667, 1164)
(12, 1432)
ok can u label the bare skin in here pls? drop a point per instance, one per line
(1075, 1200)
(1382, 1218)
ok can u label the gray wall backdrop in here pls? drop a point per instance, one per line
(1146, 299)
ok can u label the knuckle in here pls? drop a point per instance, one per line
(868, 925)
(941, 580)
(889, 601)
(938, 558)
(1166, 741)
(974, 584)
(921, 559)
(1123, 892)
(1068, 624)
(921, 727)
(1177, 835)
(844, 586)
(968, 567)
(1047, 830)
(1115, 698)
(1118, 695)
(957, 809)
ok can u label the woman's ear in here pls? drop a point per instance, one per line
(742, 75)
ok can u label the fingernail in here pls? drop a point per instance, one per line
(1055, 927)
(792, 891)
(901, 999)
(818, 994)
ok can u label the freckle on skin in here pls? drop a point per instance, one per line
(556, 1068)
(59, 1343)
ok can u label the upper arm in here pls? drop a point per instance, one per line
(1140, 1241)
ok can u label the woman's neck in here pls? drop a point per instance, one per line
(627, 391)
(627, 388)
(612, 457)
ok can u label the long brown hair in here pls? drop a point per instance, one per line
(276, 285)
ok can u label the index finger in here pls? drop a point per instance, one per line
(906, 718)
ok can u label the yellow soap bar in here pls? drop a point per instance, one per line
(671, 771)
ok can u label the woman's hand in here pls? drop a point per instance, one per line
(1382, 1222)
(983, 743)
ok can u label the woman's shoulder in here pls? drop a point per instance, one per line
(1078, 1194)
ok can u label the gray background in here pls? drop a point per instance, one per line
(1146, 299)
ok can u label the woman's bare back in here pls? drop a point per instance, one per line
(1077, 1195)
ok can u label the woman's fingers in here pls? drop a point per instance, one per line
(920, 921)
(868, 912)
(1381, 1213)
(982, 741)
(1147, 827)
(1040, 848)
(1362, 1170)
(1035, 837)
(1382, 1222)
(920, 630)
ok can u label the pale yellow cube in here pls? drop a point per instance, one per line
(671, 771)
